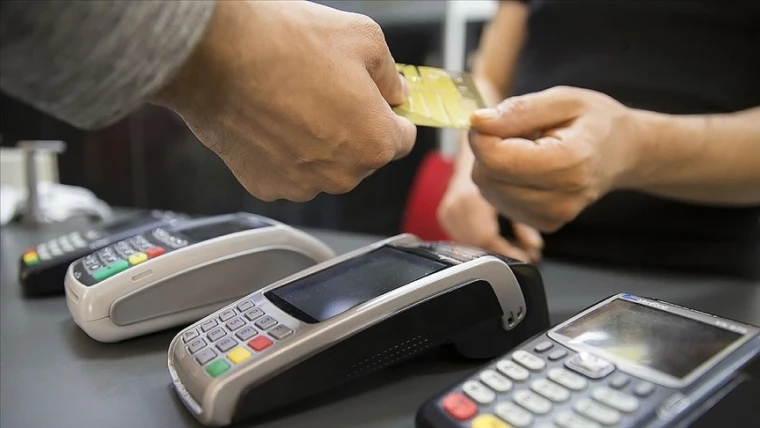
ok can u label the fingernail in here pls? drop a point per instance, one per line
(486, 113)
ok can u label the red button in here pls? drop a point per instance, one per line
(154, 252)
(459, 406)
(260, 343)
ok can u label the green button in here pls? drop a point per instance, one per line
(217, 367)
(110, 270)
(118, 266)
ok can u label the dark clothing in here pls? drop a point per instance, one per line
(677, 57)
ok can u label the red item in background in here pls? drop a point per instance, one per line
(426, 193)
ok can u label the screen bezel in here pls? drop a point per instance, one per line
(745, 331)
(128, 224)
(301, 315)
(251, 223)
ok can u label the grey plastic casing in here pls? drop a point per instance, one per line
(186, 284)
(212, 401)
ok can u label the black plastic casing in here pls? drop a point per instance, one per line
(467, 318)
(725, 393)
(47, 277)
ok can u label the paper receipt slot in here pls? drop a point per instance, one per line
(349, 316)
(174, 276)
(627, 361)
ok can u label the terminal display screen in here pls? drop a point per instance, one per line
(650, 337)
(203, 232)
(129, 223)
(333, 291)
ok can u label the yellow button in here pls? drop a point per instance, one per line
(137, 258)
(238, 355)
(489, 421)
(30, 257)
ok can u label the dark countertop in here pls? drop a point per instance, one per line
(53, 375)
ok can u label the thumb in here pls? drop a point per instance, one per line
(392, 84)
(525, 115)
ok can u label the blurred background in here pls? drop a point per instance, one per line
(151, 160)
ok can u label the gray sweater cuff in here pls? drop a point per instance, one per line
(90, 63)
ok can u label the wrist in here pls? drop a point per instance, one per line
(638, 156)
(174, 95)
(190, 84)
(462, 170)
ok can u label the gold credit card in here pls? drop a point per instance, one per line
(439, 98)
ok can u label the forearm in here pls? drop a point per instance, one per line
(90, 63)
(499, 48)
(494, 65)
(712, 159)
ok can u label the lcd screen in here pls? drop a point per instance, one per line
(205, 232)
(331, 292)
(129, 223)
(649, 337)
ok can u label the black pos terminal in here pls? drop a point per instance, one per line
(347, 317)
(42, 268)
(625, 362)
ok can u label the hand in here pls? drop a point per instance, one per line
(295, 97)
(469, 219)
(542, 158)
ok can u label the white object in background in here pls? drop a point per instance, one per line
(33, 214)
(458, 14)
(13, 167)
(57, 202)
(10, 198)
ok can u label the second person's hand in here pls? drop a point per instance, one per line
(468, 218)
(542, 158)
(294, 97)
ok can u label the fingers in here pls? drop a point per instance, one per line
(466, 216)
(391, 85)
(542, 209)
(524, 115)
(528, 239)
(471, 220)
(518, 160)
(406, 137)
(380, 135)
(502, 246)
(527, 236)
(382, 67)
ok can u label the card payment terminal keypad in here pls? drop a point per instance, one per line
(129, 252)
(233, 337)
(546, 385)
(58, 247)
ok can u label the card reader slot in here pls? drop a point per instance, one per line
(398, 338)
(218, 282)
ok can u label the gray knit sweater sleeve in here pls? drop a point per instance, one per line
(90, 63)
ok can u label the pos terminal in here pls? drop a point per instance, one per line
(627, 361)
(173, 276)
(42, 268)
(348, 317)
